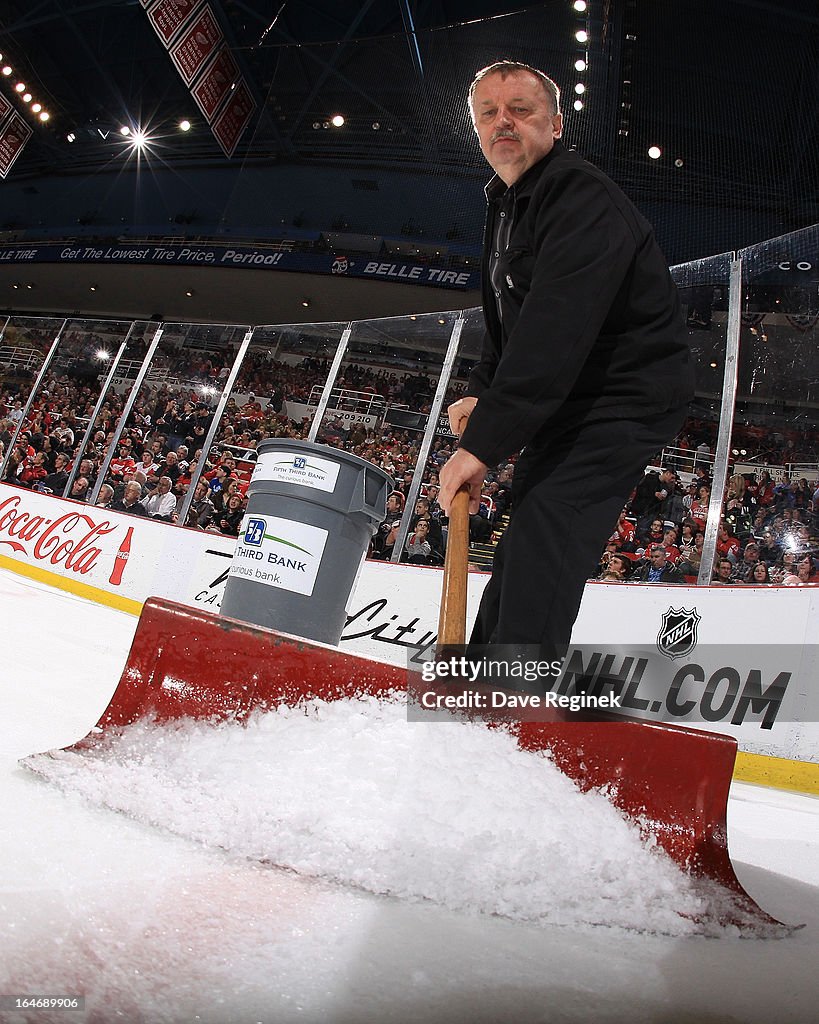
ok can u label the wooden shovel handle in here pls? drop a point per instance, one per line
(452, 619)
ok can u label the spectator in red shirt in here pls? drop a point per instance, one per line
(33, 471)
(699, 506)
(672, 552)
(123, 462)
(623, 535)
(727, 544)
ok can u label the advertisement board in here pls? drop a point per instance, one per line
(741, 661)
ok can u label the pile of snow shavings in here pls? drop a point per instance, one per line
(451, 812)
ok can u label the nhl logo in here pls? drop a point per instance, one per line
(678, 633)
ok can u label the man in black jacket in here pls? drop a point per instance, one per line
(658, 569)
(584, 366)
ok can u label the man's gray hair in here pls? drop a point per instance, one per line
(504, 68)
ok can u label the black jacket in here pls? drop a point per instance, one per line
(590, 325)
(670, 574)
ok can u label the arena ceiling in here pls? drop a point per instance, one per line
(727, 89)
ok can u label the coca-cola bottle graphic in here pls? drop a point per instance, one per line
(121, 558)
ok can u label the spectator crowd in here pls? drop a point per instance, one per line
(767, 531)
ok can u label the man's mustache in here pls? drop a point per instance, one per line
(505, 135)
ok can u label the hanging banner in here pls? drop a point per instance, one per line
(215, 83)
(5, 108)
(168, 17)
(14, 134)
(233, 120)
(195, 46)
(191, 33)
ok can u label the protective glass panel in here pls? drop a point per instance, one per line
(171, 414)
(380, 403)
(70, 394)
(772, 505)
(275, 395)
(24, 345)
(669, 506)
(486, 527)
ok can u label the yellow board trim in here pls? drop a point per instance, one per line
(53, 579)
(774, 772)
(777, 772)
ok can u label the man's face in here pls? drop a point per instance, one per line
(724, 570)
(514, 121)
(658, 558)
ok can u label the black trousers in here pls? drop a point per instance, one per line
(568, 494)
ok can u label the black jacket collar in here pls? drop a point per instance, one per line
(497, 187)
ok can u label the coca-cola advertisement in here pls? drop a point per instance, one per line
(69, 537)
(168, 17)
(96, 553)
(233, 120)
(214, 85)
(121, 559)
(13, 137)
(194, 48)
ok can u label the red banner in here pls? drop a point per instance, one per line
(215, 84)
(233, 120)
(13, 137)
(168, 17)
(194, 48)
(5, 108)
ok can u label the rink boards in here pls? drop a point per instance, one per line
(736, 660)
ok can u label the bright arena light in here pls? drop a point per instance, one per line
(139, 138)
(27, 97)
(580, 88)
(579, 5)
(655, 152)
(125, 130)
(582, 36)
(36, 107)
(337, 120)
(578, 104)
(45, 116)
(184, 126)
(20, 87)
(103, 355)
(7, 70)
(580, 65)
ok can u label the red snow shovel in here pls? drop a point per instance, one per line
(186, 663)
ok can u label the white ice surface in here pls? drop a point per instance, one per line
(152, 927)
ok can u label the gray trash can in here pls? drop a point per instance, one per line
(312, 511)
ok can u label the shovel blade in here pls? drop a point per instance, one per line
(673, 782)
